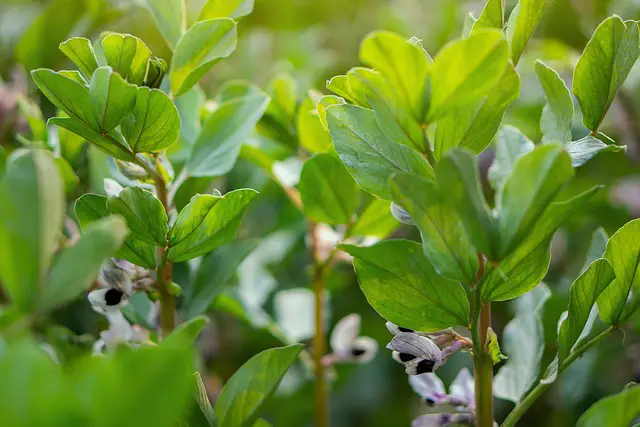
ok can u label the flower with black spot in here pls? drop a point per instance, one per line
(418, 353)
(115, 289)
(347, 344)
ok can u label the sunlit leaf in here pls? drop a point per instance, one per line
(583, 150)
(112, 98)
(225, 9)
(527, 17)
(127, 55)
(557, 113)
(144, 213)
(80, 51)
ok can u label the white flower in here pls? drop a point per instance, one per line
(116, 287)
(418, 353)
(120, 331)
(347, 345)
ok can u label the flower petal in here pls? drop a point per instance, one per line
(345, 333)
(400, 214)
(364, 349)
(427, 386)
(417, 345)
(421, 366)
(463, 387)
(395, 329)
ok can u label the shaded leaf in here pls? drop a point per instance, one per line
(169, 16)
(144, 213)
(112, 98)
(511, 144)
(617, 410)
(557, 113)
(583, 150)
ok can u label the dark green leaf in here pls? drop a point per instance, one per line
(445, 243)
(617, 410)
(206, 223)
(199, 49)
(248, 389)
(603, 67)
(583, 150)
(403, 287)
(80, 51)
(328, 192)
(369, 155)
(144, 213)
(127, 55)
(557, 113)
(112, 98)
(375, 220)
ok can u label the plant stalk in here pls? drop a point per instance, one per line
(164, 270)
(539, 389)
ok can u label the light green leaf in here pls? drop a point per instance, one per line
(521, 271)
(341, 87)
(92, 207)
(528, 15)
(144, 213)
(127, 55)
(218, 145)
(112, 98)
(459, 179)
(523, 342)
(536, 179)
(445, 243)
(403, 287)
(206, 223)
(603, 67)
(617, 410)
(511, 144)
(113, 143)
(169, 16)
(325, 102)
(493, 347)
(369, 155)
(186, 334)
(398, 124)
(583, 150)
(261, 423)
(375, 219)
(492, 16)
(403, 65)
(66, 94)
(154, 124)
(584, 292)
(623, 253)
(31, 216)
(199, 49)
(215, 271)
(328, 192)
(557, 113)
(474, 127)
(465, 71)
(248, 389)
(80, 51)
(77, 267)
(312, 135)
(3, 161)
(225, 9)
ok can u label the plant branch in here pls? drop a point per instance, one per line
(539, 389)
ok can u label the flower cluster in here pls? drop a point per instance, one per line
(424, 352)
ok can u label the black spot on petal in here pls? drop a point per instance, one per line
(113, 296)
(357, 351)
(429, 402)
(406, 357)
(424, 366)
(401, 329)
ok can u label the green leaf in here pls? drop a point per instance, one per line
(511, 144)
(80, 51)
(225, 9)
(248, 389)
(584, 292)
(206, 223)
(112, 98)
(325, 102)
(459, 178)
(445, 243)
(92, 207)
(375, 220)
(466, 70)
(112, 143)
(398, 124)
(527, 17)
(169, 16)
(215, 271)
(77, 267)
(623, 253)
(204, 416)
(536, 179)
(403, 287)
(328, 192)
(68, 175)
(154, 124)
(603, 67)
(66, 94)
(312, 135)
(585, 149)
(557, 113)
(492, 16)
(186, 334)
(3, 161)
(127, 55)
(474, 127)
(261, 423)
(218, 145)
(144, 213)
(523, 342)
(403, 65)
(369, 155)
(617, 410)
(31, 217)
(199, 49)
(521, 271)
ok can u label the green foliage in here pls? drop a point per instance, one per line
(620, 409)
(557, 114)
(492, 16)
(225, 8)
(80, 51)
(169, 16)
(144, 213)
(420, 299)
(127, 55)
(526, 16)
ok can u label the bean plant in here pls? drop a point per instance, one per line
(392, 146)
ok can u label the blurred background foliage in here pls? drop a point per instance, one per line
(311, 41)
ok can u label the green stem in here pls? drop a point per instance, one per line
(539, 389)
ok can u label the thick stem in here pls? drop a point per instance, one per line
(321, 392)
(539, 389)
(164, 269)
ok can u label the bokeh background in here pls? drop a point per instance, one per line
(313, 40)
